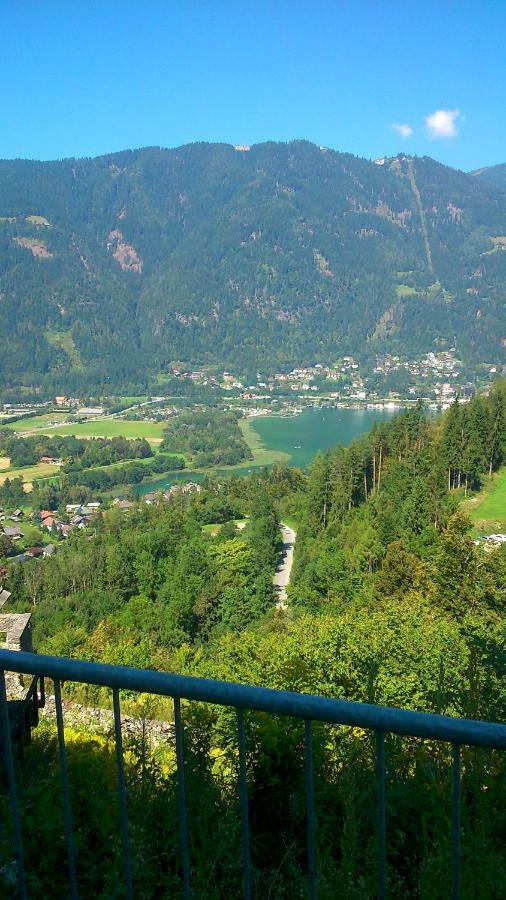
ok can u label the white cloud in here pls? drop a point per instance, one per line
(442, 123)
(404, 129)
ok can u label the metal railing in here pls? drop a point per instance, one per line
(379, 719)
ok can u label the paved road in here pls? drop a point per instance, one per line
(284, 568)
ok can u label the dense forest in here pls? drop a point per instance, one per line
(207, 437)
(279, 255)
(74, 453)
(390, 602)
(494, 174)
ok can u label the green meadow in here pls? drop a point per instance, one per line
(28, 473)
(488, 509)
(152, 431)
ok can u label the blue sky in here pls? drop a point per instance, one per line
(80, 78)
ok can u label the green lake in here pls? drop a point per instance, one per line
(299, 436)
(316, 429)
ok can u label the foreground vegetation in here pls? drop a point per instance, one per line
(391, 602)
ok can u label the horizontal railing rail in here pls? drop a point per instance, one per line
(379, 719)
(470, 732)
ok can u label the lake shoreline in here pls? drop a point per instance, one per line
(290, 440)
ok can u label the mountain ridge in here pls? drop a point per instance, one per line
(263, 257)
(495, 174)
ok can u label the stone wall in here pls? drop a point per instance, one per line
(101, 721)
(17, 630)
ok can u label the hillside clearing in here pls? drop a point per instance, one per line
(63, 340)
(404, 290)
(488, 509)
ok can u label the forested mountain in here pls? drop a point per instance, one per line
(496, 174)
(283, 253)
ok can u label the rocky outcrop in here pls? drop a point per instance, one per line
(37, 248)
(123, 253)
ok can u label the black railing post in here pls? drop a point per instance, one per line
(11, 776)
(380, 791)
(456, 818)
(122, 795)
(69, 832)
(183, 824)
(311, 842)
(243, 791)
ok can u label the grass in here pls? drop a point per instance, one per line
(487, 510)
(34, 424)
(262, 456)
(37, 220)
(28, 473)
(213, 529)
(499, 243)
(152, 431)
(404, 290)
(63, 340)
(33, 535)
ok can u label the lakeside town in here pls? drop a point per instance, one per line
(438, 379)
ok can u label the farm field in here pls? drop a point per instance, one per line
(129, 428)
(29, 473)
(34, 424)
(488, 509)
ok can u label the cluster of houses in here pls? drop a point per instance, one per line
(67, 402)
(12, 531)
(77, 516)
(34, 553)
(438, 373)
(161, 496)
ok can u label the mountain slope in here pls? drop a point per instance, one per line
(494, 174)
(112, 267)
